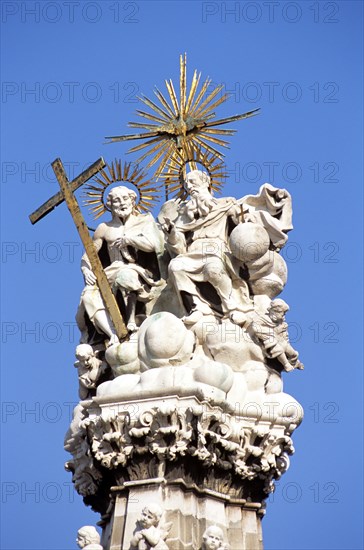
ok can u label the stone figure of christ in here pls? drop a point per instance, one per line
(126, 235)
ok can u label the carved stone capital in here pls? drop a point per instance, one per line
(180, 439)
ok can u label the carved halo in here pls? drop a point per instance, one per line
(123, 173)
(175, 173)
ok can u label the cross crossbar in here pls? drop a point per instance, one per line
(58, 198)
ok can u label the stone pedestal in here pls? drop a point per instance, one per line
(202, 464)
(189, 509)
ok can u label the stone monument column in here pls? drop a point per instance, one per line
(183, 428)
(201, 465)
(183, 425)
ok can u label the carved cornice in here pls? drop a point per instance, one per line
(174, 442)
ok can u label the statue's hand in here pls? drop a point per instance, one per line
(168, 225)
(238, 212)
(136, 538)
(121, 243)
(89, 276)
(281, 194)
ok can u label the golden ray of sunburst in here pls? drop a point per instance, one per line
(179, 126)
(176, 168)
(123, 173)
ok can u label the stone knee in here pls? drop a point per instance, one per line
(214, 272)
(128, 280)
(176, 268)
(176, 265)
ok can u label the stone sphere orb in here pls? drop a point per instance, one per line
(249, 241)
(164, 341)
(123, 358)
(273, 283)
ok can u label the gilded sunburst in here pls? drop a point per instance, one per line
(181, 125)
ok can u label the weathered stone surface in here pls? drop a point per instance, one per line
(183, 429)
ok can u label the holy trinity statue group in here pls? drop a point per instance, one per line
(197, 288)
(205, 260)
(179, 319)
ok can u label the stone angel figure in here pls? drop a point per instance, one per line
(150, 531)
(88, 538)
(213, 539)
(270, 331)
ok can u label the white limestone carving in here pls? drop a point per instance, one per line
(150, 532)
(90, 369)
(213, 539)
(271, 332)
(123, 358)
(163, 340)
(126, 235)
(202, 368)
(230, 442)
(196, 238)
(88, 538)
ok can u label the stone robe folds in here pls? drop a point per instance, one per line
(199, 247)
(137, 262)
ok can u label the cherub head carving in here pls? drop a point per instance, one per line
(87, 536)
(151, 515)
(213, 538)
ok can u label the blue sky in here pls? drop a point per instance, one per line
(71, 72)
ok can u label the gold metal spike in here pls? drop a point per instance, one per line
(202, 92)
(144, 125)
(219, 131)
(164, 102)
(150, 116)
(218, 141)
(154, 106)
(155, 150)
(132, 136)
(144, 145)
(182, 99)
(209, 147)
(123, 173)
(205, 107)
(172, 95)
(194, 85)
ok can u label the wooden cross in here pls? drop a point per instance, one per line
(66, 194)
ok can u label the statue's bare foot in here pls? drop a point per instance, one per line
(131, 326)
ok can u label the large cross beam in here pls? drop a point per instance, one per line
(66, 194)
(58, 198)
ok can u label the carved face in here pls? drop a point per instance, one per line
(86, 359)
(276, 314)
(148, 518)
(121, 202)
(195, 184)
(81, 540)
(213, 538)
